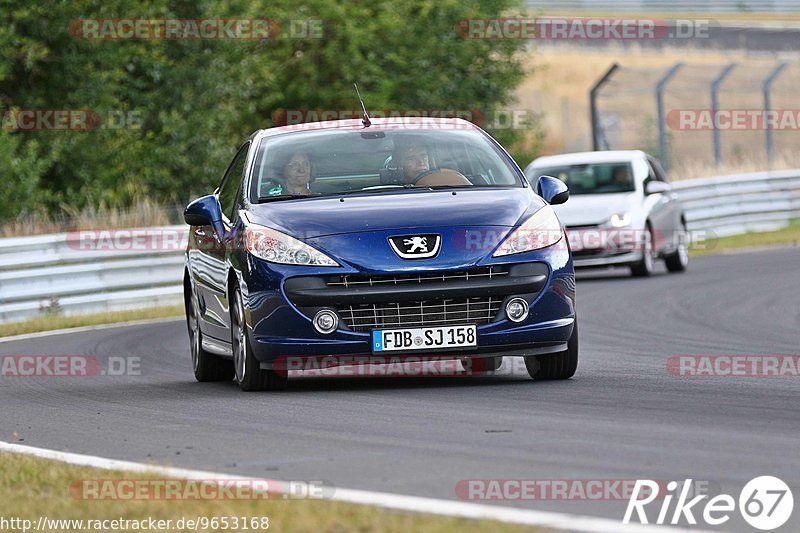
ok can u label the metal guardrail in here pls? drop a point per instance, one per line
(91, 272)
(732, 205)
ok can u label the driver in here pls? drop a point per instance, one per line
(413, 159)
(620, 176)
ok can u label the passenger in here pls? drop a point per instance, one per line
(294, 176)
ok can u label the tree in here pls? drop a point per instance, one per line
(195, 100)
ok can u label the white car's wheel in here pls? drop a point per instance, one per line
(646, 264)
(679, 259)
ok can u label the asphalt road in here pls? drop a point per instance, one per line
(623, 416)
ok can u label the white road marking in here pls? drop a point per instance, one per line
(400, 502)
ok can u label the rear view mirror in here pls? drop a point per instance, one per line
(553, 190)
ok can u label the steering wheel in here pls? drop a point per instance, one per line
(442, 176)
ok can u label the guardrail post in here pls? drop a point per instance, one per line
(662, 134)
(593, 106)
(715, 109)
(768, 107)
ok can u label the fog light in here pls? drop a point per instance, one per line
(326, 321)
(517, 309)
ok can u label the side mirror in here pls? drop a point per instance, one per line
(204, 211)
(657, 187)
(553, 190)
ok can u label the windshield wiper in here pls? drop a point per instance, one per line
(264, 199)
(382, 188)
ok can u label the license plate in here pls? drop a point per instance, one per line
(389, 340)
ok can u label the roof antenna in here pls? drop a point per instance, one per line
(365, 117)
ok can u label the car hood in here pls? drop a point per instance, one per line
(593, 209)
(319, 217)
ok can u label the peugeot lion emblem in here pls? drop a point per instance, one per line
(416, 246)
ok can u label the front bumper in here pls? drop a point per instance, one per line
(599, 246)
(605, 259)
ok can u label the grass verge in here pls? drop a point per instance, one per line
(788, 236)
(35, 487)
(51, 322)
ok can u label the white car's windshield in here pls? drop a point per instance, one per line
(596, 178)
(374, 160)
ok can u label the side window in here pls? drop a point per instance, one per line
(230, 183)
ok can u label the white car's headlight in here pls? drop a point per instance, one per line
(541, 230)
(620, 220)
(276, 247)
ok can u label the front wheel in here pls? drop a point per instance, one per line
(646, 264)
(560, 365)
(678, 260)
(247, 371)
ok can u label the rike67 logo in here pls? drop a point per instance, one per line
(765, 502)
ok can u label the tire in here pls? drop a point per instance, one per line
(478, 365)
(247, 372)
(207, 366)
(561, 365)
(646, 265)
(678, 260)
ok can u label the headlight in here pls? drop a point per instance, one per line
(620, 220)
(276, 247)
(541, 230)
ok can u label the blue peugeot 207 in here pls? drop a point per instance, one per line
(363, 241)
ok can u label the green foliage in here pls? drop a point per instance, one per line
(194, 101)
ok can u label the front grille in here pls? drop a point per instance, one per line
(425, 313)
(490, 272)
(366, 317)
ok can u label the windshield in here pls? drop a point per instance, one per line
(373, 160)
(597, 178)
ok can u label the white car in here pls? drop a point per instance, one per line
(622, 211)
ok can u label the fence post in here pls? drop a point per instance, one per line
(662, 134)
(768, 107)
(715, 108)
(593, 105)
